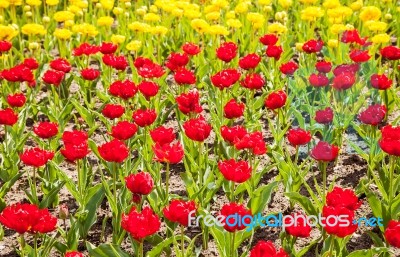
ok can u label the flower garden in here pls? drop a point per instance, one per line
(123, 124)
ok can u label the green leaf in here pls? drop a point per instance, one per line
(261, 197)
(305, 202)
(368, 253)
(51, 196)
(106, 250)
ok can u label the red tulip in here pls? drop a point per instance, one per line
(75, 145)
(344, 81)
(324, 116)
(140, 224)
(225, 78)
(5, 46)
(184, 77)
(346, 68)
(300, 228)
(8, 117)
(392, 233)
(123, 130)
(197, 129)
(274, 51)
(124, 89)
(53, 77)
(90, 74)
(60, 64)
(352, 37)
(191, 48)
(177, 60)
(373, 115)
(141, 183)
(249, 61)
(390, 142)
(169, 153)
(381, 82)
(75, 137)
(178, 211)
(232, 209)
(86, 49)
(227, 51)
(162, 135)
(298, 137)
(313, 46)
(267, 249)
(269, 39)
(19, 73)
(31, 63)
(391, 53)
(323, 66)
(288, 68)
(318, 80)
(236, 171)
(338, 229)
(252, 141)
(113, 111)
(359, 56)
(16, 100)
(324, 152)
(73, 254)
(36, 157)
(108, 48)
(148, 89)
(233, 134)
(253, 81)
(114, 151)
(144, 118)
(28, 218)
(119, 63)
(148, 69)
(340, 197)
(46, 129)
(233, 109)
(189, 102)
(276, 100)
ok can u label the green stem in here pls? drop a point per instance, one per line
(232, 191)
(115, 170)
(22, 242)
(183, 240)
(140, 251)
(233, 244)
(392, 164)
(35, 245)
(323, 168)
(167, 182)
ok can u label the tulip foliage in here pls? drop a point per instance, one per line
(125, 127)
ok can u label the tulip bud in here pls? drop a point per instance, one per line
(117, 10)
(33, 45)
(333, 43)
(1, 18)
(299, 47)
(98, 5)
(15, 26)
(63, 212)
(79, 14)
(28, 14)
(81, 121)
(46, 19)
(85, 10)
(128, 4)
(27, 8)
(127, 14)
(388, 16)
(68, 23)
(268, 9)
(153, 9)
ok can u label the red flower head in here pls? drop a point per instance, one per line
(276, 100)
(141, 183)
(249, 61)
(234, 210)
(124, 89)
(46, 129)
(323, 66)
(19, 73)
(390, 142)
(113, 111)
(61, 64)
(117, 62)
(177, 60)
(28, 218)
(123, 130)
(31, 63)
(5, 46)
(391, 53)
(288, 68)
(75, 145)
(253, 141)
(108, 48)
(233, 109)
(86, 49)
(267, 249)
(148, 89)
(352, 37)
(324, 152)
(227, 51)
(300, 228)
(178, 211)
(359, 56)
(340, 197)
(162, 135)
(346, 68)
(318, 80)
(197, 129)
(75, 137)
(169, 153)
(274, 51)
(140, 224)
(373, 115)
(184, 77)
(53, 77)
(324, 116)
(392, 233)
(298, 137)
(253, 81)
(313, 46)
(144, 118)
(269, 39)
(233, 134)
(381, 82)
(73, 254)
(225, 78)
(236, 171)
(36, 157)
(16, 100)
(191, 48)
(114, 151)
(344, 81)
(8, 117)
(148, 69)
(189, 102)
(90, 74)
(338, 229)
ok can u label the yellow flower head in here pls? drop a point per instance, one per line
(134, 45)
(177, 12)
(299, 46)
(376, 25)
(234, 23)
(370, 13)
(357, 5)
(107, 4)
(281, 16)
(75, 9)
(230, 15)
(158, 30)
(337, 28)
(330, 4)
(380, 38)
(85, 29)
(4, 4)
(151, 17)
(308, 1)
(15, 2)
(63, 34)
(218, 30)
(141, 11)
(333, 43)
(118, 10)
(105, 21)
(285, 3)
(264, 2)
(52, 2)
(211, 8)
(199, 25)
(7, 32)
(213, 16)
(255, 17)
(311, 13)
(117, 39)
(33, 2)
(153, 9)
(340, 12)
(33, 45)
(191, 14)
(220, 3)
(277, 28)
(33, 29)
(242, 8)
(63, 16)
(139, 26)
